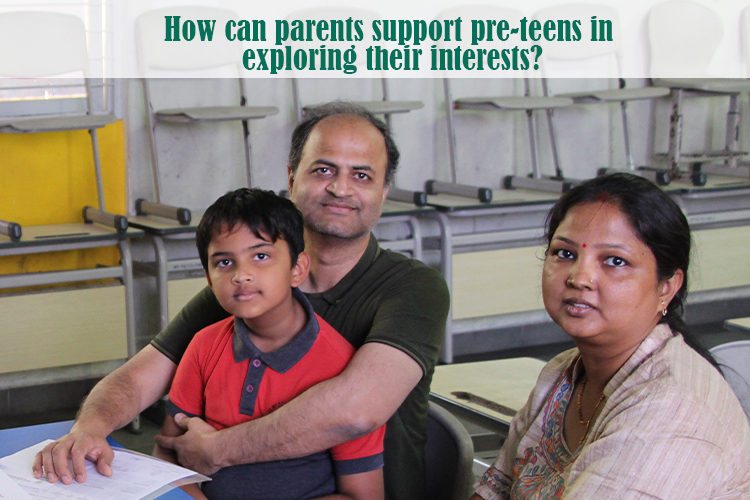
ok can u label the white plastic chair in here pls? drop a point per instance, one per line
(526, 103)
(734, 361)
(385, 106)
(680, 61)
(51, 44)
(609, 52)
(185, 58)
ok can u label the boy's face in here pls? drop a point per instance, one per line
(250, 276)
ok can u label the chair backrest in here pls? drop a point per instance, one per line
(684, 37)
(477, 12)
(154, 53)
(331, 14)
(734, 360)
(37, 44)
(582, 56)
(449, 455)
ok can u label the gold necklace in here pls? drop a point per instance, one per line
(587, 423)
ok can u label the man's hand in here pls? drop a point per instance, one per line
(193, 448)
(78, 446)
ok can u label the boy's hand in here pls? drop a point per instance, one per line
(194, 450)
(78, 446)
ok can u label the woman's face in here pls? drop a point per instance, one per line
(600, 280)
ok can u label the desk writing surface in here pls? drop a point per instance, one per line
(153, 224)
(742, 324)
(504, 381)
(71, 233)
(500, 197)
(393, 208)
(19, 438)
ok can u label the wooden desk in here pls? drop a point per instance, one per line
(507, 382)
(13, 440)
(740, 324)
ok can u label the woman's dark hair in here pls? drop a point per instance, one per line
(659, 224)
(266, 214)
(315, 115)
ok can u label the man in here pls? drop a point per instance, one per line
(392, 309)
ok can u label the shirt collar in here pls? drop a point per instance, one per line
(285, 357)
(340, 289)
(648, 346)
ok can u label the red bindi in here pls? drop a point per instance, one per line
(584, 245)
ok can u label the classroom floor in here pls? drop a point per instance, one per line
(710, 334)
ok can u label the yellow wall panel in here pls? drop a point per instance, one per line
(48, 178)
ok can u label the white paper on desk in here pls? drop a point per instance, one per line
(134, 476)
(10, 490)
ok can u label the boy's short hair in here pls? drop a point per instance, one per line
(263, 212)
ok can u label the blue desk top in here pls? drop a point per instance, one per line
(13, 440)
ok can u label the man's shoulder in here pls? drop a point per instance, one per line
(399, 266)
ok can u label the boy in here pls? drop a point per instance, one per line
(273, 348)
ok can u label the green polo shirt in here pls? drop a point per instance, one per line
(386, 298)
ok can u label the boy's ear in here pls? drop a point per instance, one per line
(301, 269)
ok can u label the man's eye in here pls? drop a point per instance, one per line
(615, 261)
(362, 176)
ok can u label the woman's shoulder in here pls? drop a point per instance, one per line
(677, 392)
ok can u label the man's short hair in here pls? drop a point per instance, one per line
(312, 117)
(266, 214)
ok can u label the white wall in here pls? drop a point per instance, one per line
(199, 163)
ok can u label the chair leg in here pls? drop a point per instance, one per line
(626, 135)
(152, 138)
(675, 133)
(733, 130)
(552, 135)
(98, 169)
(450, 127)
(248, 153)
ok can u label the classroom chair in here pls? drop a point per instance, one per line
(733, 360)
(680, 60)
(155, 57)
(50, 44)
(384, 106)
(449, 455)
(525, 102)
(557, 54)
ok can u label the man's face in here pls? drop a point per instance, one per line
(339, 185)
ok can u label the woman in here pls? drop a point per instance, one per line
(636, 410)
